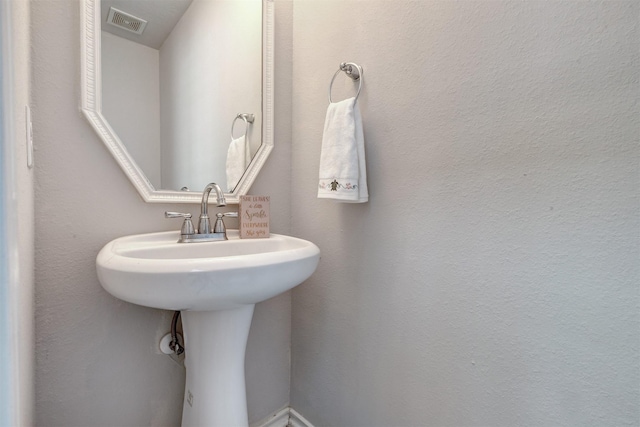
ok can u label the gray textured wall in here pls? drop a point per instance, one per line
(492, 279)
(97, 363)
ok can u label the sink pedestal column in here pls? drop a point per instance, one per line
(215, 344)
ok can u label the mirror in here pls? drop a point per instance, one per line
(187, 102)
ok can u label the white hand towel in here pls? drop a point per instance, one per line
(343, 173)
(236, 161)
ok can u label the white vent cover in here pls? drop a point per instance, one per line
(126, 21)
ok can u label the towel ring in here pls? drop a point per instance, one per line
(247, 117)
(353, 71)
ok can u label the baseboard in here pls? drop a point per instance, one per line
(279, 419)
(297, 420)
(286, 417)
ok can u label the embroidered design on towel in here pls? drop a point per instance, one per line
(335, 185)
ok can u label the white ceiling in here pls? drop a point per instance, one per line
(161, 15)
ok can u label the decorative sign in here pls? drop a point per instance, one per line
(254, 217)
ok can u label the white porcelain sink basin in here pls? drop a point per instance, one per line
(154, 270)
(215, 285)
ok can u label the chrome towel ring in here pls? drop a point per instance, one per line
(353, 71)
(247, 118)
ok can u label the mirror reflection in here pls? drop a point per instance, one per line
(182, 87)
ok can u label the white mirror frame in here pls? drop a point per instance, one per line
(91, 81)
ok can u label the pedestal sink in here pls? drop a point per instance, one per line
(215, 285)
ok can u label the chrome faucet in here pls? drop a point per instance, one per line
(204, 224)
(204, 232)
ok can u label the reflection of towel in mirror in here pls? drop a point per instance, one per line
(343, 174)
(238, 158)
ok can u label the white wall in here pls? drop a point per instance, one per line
(16, 222)
(131, 99)
(97, 363)
(492, 279)
(207, 77)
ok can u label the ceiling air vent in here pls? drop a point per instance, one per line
(126, 21)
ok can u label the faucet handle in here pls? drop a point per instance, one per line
(219, 225)
(187, 225)
(177, 215)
